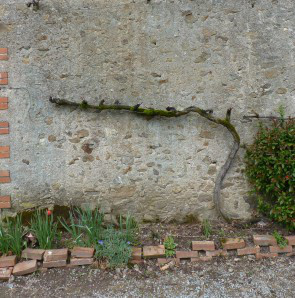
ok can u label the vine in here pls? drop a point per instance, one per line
(172, 112)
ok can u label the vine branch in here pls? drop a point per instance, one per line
(172, 112)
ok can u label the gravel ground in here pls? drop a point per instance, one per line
(231, 277)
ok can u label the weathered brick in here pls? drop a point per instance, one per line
(264, 240)
(56, 255)
(291, 240)
(3, 51)
(203, 245)
(217, 253)
(3, 75)
(136, 261)
(3, 103)
(82, 252)
(187, 254)
(233, 243)
(202, 259)
(3, 81)
(248, 251)
(154, 251)
(24, 268)
(5, 202)
(136, 253)
(81, 261)
(52, 264)
(3, 57)
(278, 249)
(4, 152)
(291, 254)
(8, 261)
(5, 273)
(4, 128)
(34, 254)
(265, 255)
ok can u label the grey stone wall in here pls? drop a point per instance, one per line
(213, 54)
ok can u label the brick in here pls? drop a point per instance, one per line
(136, 253)
(3, 81)
(233, 243)
(3, 75)
(52, 264)
(264, 240)
(291, 240)
(5, 202)
(3, 57)
(34, 254)
(4, 152)
(55, 255)
(82, 252)
(154, 251)
(265, 255)
(4, 128)
(248, 251)
(203, 245)
(201, 259)
(5, 273)
(217, 253)
(8, 261)
(3, 103)
(187, 254)
(277, 249)
(81, 261)
(3, 51)
(24, 268)
(291, 254)
(5, 177)
(135, 261)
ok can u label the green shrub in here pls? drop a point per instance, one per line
(4, 241)
(206, 228)
(270, 168)
(281, 240)
(44, 229)
(128, 228)
(170, 246)
(114, 248)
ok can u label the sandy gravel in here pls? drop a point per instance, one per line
(221, 278)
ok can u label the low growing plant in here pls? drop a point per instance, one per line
(15, 233)
(270, 168)
(281, 240)
(170, 246)
(4, 241)
(114, 248)
(44, 229)
(128, 228)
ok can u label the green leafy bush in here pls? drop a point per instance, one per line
(270, 168)
(281, 240)
(170, 246)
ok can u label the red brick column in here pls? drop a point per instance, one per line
(5, 200)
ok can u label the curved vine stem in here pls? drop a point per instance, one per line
(172, 112)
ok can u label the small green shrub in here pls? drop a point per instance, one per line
(4, 241)
(206, 228)
(15, 233)
(44, 229)
(270, 168)
(114, 248)
(170, 246)
(281, 240)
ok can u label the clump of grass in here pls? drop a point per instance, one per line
(206, 228)
(128, 228)
(281, 240)
(170, 246)
(44, 229)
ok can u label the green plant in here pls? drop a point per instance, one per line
(114, 248)
(4, 241)
(14, 235)
(74, 229)
(281, 240)
(270, 168)
(206, 228)
(170, 246)
(128, 228)
(44, 229)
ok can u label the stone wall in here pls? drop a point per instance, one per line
(214, 54)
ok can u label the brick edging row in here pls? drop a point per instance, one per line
(5, 200)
